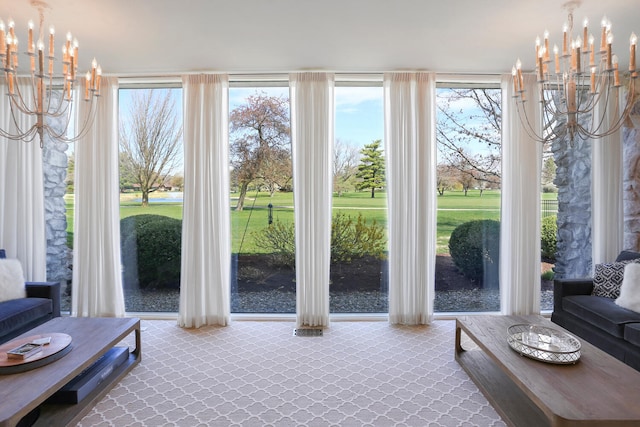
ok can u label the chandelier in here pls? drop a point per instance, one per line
(574, 80)
(48, 96)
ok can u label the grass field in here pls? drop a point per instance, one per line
(454, 208)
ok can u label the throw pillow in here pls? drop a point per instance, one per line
(630, 289)
(607, 278)
(11, 280)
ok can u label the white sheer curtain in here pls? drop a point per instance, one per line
(22, 223)
(520, 223)
(607, 222)
(97, 272)
(410, 142)
(312, 130)
(206, 236)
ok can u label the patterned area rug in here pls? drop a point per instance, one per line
(260, 374)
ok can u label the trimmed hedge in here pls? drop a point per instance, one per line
(475, 249)
(549, 237)
(151, 249)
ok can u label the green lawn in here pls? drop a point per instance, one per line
(454, 208)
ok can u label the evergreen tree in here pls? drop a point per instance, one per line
(371, 168)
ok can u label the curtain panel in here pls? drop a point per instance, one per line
(520, 223)
(607, 220)
(97, 272)
(205, 277)
(312, 134)
(22, 219)
(410, 142)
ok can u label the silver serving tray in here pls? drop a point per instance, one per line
(544, 344)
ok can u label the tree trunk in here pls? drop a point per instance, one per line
(243, 193)
(145, 198)
(373, 192)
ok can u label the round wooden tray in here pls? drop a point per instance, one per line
(58, 347)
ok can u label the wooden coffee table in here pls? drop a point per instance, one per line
(597, 390)
(23, 392)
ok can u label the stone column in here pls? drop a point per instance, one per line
(631, 181)
(573, 179)
(55, 173)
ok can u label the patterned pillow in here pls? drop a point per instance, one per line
(607, 278)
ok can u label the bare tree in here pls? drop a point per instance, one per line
(259, 128)
(345, 166)
(446, 177)
(276, 172)
(469, 132)
(150, 139)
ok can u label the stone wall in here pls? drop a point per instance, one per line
(55, 172)
(573, 179)
(631, 182)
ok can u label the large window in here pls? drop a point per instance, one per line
(262, 227)
(359, 279)
(151, 185)
(468, 184)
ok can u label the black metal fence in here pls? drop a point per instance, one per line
(549, 207)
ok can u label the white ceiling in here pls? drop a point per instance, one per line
(149, 37)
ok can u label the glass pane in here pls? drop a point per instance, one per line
(468, 181)
(151, 185)
(548, 229)
(359, 274)
(262, 230)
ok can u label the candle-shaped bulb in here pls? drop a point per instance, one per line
(30, 37)
(2, 27)
(518, 64)
(585, 23)
(616, 72)
(86, 86)
(633, 40)
(12, 24)
(578, 42)
(40, 45)
(52, 32)
(69, 36)
(513, 70)
(94, 63)
(610, 38)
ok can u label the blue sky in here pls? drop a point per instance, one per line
(359, 116)
(359, 110)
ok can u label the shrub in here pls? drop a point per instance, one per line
(356, 239)
(349, 239)
(475, 249)
(548, 275)
(151, 248)
(549, 188)
(280, 240)
(549, 237)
